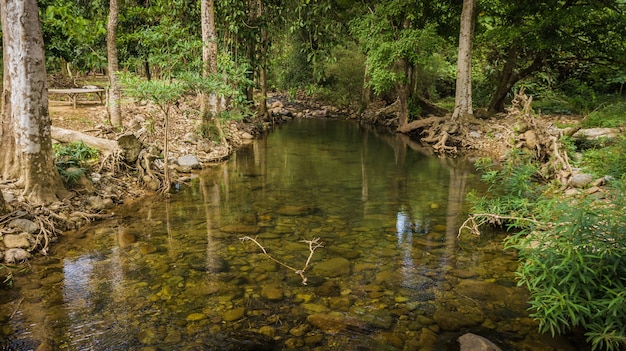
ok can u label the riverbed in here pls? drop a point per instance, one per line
(322, 235)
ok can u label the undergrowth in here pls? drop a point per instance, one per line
(73, 160)
(571, 249)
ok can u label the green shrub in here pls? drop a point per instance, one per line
(72, 160)
(574, 270)
(607, 160)
(611, 115)
(571, 249)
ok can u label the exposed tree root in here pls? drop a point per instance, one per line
(541, 138)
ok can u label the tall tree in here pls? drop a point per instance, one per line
(523, 38)
(463, 97)
(113, 97)
(26, 141)
(210, 104)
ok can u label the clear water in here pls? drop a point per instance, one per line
(391, 274)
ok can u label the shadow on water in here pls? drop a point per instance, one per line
(391, 275)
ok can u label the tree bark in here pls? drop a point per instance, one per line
(114, 95)
(463, 96)
(25, 96)
(263, 113)
(403, 92)
(210, 103)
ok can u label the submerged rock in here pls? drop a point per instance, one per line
(290, 210)
(473, 342)
(334, 267)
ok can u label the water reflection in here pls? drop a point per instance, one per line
(392, 274)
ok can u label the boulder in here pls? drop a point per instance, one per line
(596, 133)
(188, 162)
(21, 241)
(580, 180)
(473, 342)
(16, 256)
(24, 225)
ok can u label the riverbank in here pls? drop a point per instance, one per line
(31, 229)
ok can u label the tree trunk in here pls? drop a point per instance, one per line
(210, 103)
(262, 69)
(114, 96)
(510, 75)
(506, 80)
(25, 94)
(403, 92)
(463, 96)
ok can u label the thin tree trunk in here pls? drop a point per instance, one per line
(113, 96)
(403, 92)
(209, 102)
(25, 96)
(463, 96)
(263, 113)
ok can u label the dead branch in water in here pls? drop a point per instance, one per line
(313, 245)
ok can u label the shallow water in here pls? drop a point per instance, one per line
(391, 274)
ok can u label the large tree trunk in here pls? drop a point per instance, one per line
(463, 96)
(113, 103)
(25, 99)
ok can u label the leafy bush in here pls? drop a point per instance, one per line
(514, 188)
(608, 160)
(571, 250)
(72, 160)
(574, 269)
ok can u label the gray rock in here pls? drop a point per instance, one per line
(473, 342)
(580, 180)
(16, 255)
(24, 225)
(246, 135)
(475, 134)
(188, 162)
(596, 133)
(21, 241)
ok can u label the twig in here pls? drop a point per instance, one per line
(473, 225)
(313, 245)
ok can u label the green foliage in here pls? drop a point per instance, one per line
(571, 249)
(574, 270)
(343, 78)
(514, 189)
(608, 160)
(73, 33)
(612, 115)
(73, 160)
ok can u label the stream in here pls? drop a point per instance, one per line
(365, 218)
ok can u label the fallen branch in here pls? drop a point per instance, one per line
(472, 224)
(313, 245)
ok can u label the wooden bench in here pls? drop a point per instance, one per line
(74, 92)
